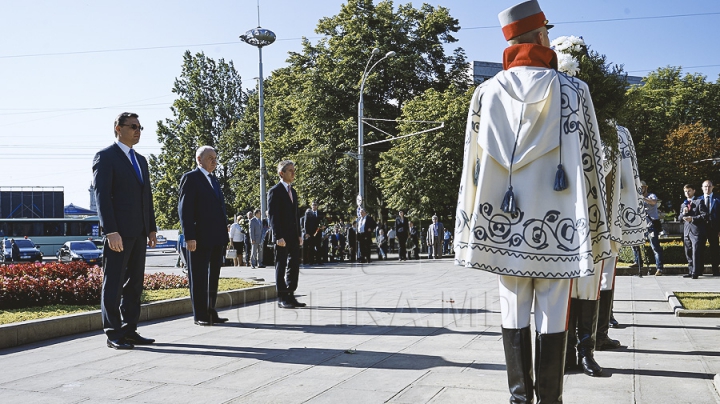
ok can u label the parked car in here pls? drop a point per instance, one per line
(80, 250)
(28, 250)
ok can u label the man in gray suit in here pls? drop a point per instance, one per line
(256, 236)
(435, 237)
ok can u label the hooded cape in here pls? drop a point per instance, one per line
(522, 124)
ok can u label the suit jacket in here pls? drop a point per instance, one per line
(202, 211)
(312, 222)
(256, 230)
(369, 226)
(401, 229)
(283, 214)
(698, 212)
(431, 233)
(124, 203)
(713, 218)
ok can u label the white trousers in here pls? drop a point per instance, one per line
(550, 296)
(607, 280)
(588, 287)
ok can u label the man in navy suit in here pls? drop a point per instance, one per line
(285, 226)
(124, 200)
(712, 230)
(693, 213)
(204, 222)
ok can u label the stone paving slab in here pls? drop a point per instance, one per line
(399, 332)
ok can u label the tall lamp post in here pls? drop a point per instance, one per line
(260, 37)
(361, 168)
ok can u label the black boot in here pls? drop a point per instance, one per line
(587, 327)
(549, 360)
(571, 363)
(603, 342)
(518, 358)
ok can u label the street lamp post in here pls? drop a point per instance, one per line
(361, 156)
(260, 37)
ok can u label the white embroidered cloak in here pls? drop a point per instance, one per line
(522, 124)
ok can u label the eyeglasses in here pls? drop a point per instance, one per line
(133, 126)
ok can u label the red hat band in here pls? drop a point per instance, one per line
(524, 25)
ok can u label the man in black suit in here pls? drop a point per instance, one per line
(693, 213)
(124, 201)
(402, 230)
(352, 241)
(366, 229)
(285, 226)
(203, 220)
(313, 233)
(712, 230)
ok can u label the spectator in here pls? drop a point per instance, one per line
(435, 238)
(402, 230)
(693, 214)
(413, 240)
(237, 238)
(447, 238)
(712, 230)
(391, 240)
(382, 244)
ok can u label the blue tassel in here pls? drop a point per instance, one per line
(508, 203)
(560, 182)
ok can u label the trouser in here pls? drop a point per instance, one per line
(287, 270)
(255, 254)
(711, 235)
(122, 286)
(550, 298)
(402, 247)
(693, 253)
(204, 273)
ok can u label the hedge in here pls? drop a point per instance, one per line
(41, 284)
(673, 252)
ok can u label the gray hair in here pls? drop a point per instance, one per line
(283, 165)
(528, 37)
(202, 150)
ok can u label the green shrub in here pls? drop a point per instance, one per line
(673, 252)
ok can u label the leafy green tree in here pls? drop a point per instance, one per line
(683, 150)
(311, 105)
(420, 173)
(210, 102)
(663, 104)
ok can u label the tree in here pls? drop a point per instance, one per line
(421, 173)
(210, 102)
(311, 105)
(663, 104)
(683, 148)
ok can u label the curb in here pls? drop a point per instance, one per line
(716, 381)
(38, 330)
(679, 311)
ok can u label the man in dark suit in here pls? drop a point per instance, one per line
(124, 201)
(693, 213)
(352, 241)
(203, 219)
(313, 233)
(402, 230)
(712, 230)
(366, 229)
(285, 226)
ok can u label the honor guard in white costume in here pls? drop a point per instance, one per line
(531, 206)
(592, 296)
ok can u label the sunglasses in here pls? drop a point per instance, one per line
(133, 126)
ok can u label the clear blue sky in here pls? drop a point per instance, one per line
(68, 67)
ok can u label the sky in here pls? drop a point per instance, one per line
(68, 67)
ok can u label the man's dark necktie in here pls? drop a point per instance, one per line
(135, 165)
(215, 185)
(290, 193)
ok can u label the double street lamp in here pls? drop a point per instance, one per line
(361, 169)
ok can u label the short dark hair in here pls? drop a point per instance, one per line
(257, 211)
(689, 186)
(120, 120)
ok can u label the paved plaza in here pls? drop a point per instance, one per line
(400, 332)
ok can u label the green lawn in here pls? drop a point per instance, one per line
(699, 300)
(33, 313)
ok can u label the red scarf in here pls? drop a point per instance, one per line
(529, 54)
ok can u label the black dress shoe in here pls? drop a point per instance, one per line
(135, 339)
(119, 344)
(220, 320)
(203, 323)
(297, 304)
(694, 276)
(286, 305)
(687, 276)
